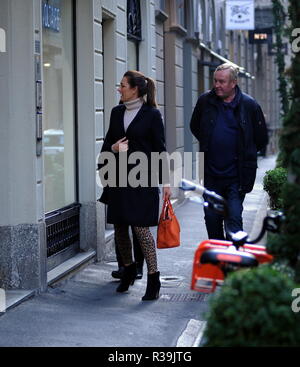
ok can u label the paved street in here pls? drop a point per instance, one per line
(86, 310)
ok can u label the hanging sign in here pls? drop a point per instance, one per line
(2, 40)
(239, 14)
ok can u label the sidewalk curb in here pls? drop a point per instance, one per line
(192, 334)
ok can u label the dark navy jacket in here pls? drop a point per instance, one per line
(253, 134)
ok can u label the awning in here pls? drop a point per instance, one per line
(223, 59)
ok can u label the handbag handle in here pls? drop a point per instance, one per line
(167, 209)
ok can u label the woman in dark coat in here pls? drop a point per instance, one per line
(136, 127)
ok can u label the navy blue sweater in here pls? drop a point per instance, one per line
(221, 158)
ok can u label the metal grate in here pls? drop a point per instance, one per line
(183, 297)
(62, 229)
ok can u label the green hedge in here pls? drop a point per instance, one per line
(274, 181)
(286, 245)
(253, 308)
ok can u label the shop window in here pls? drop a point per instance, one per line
(58, 109)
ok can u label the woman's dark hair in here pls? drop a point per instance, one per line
(145, 85)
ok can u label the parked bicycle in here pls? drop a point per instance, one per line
(214, 259)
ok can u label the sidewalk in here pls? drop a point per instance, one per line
(87, 311)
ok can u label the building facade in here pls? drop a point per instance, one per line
(61, 62)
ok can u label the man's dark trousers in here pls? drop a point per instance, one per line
(228, 188)
(137, 252)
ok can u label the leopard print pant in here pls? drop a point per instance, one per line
(146, 241)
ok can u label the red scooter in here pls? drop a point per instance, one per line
(214, 259)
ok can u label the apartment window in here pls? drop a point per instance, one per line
(180, 13)
(134, 33)
(160, 10)
(198, 19)
(160, 5)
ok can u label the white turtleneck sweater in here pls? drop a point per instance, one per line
(132, 108)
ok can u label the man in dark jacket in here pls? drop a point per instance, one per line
(231, 129)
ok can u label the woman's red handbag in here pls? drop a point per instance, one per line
(168, 231)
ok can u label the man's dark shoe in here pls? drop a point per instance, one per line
(117, 274)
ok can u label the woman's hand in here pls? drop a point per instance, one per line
(120, 146)
(166, 192)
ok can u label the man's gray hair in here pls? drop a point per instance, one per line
(234, 70)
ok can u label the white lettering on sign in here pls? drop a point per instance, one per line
(296, 41)
(2, 40)
(51, 17)
(296, 301)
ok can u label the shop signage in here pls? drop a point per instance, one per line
(260, 36)
(51, 17)
(239, 14)
(2, 40)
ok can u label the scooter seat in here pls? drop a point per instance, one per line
(235, 257)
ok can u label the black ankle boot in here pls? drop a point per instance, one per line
(128, 278)
(153, 287)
